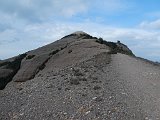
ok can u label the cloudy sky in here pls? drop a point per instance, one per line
(29, 24)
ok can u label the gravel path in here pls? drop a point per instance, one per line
(141, 80)
(104, 87)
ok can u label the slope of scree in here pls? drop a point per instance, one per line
(32, 62)
(80, 77)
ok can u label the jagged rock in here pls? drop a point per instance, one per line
(29, 68)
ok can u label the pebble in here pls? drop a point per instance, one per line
(94, 98)
(87, 112)
(65, 113)
(21, 114)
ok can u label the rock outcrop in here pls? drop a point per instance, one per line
(9, 68)
(79, 77)
(28, 65)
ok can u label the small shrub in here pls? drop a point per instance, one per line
(86, 37)
(118, 41)
(54, 52)
(100, 40)
(112, 52)
(69, 51)
(30, 57)
(4, 63)
(43, 65)
(94, 38)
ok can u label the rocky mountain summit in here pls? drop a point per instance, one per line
(26, 66)
(79, 77)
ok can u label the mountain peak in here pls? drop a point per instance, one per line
(91, 77)
(80, 33)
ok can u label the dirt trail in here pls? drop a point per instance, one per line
(141, 80)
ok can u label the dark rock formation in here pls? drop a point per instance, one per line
(8, 69)
(116, 47)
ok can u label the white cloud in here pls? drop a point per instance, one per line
(144, 43)
(71, 7)
(39, 10)
(109, 6)
(151, 25)
(28, 24)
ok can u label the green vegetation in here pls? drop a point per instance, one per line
(4, 63)
(54, 52)
(69, 51)
(114, 48)
(30, 57)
